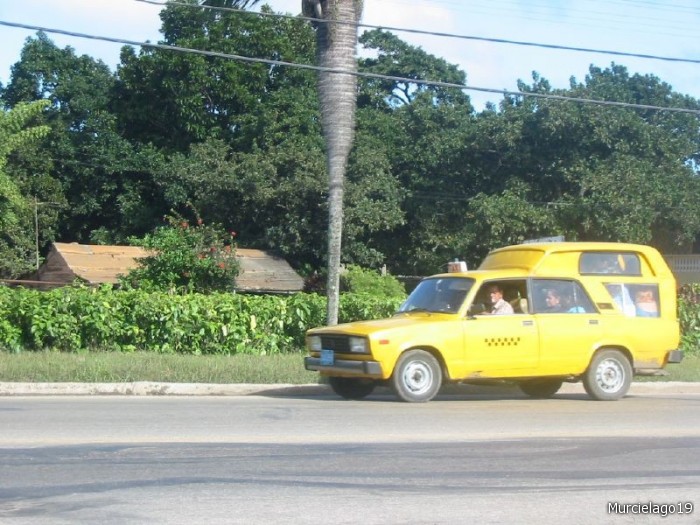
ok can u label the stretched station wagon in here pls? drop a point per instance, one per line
(535, 314)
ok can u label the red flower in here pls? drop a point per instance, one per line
(233, 233)
(221, 265)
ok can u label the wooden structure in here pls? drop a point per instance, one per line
(261, 271)
(92, 264)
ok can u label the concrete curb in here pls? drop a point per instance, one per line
(148, 388)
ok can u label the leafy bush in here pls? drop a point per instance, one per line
(689, 318)
(361, 280)
(186, 258)
(81, 318)
(10, 328)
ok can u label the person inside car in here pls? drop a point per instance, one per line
(553, 301)
(498, 304)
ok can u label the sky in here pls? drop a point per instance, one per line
(665, 28)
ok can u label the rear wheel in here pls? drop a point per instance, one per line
(351, 387)
(417, 377)
(541, 388)
(608, 376)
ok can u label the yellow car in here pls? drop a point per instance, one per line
(536, 314)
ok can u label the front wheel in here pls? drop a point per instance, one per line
(540, 388)
(417, 377)
(351, 388)
(609, 376)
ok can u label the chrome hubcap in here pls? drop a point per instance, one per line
(610, 375)
(418, 377)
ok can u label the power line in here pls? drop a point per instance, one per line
(360, 74)
(438, 34)
(566, 14)
(590, 16)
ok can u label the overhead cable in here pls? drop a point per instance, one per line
(434, 33)
(362, 74)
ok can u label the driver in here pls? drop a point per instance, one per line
(498, 304)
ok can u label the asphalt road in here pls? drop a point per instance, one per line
(464, 458)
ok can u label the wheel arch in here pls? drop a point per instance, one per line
(431, 350)
(620, 348)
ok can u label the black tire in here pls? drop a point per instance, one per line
(609, 376)
(541, 388)
(351, 387)
(417, 377)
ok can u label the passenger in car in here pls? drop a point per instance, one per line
(621, 296)
(553, 300)
(645, 304)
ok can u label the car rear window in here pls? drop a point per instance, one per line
(616, 263)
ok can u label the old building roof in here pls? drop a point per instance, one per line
(95, 264)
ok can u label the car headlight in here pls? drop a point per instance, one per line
(315, 343)
(358, 345)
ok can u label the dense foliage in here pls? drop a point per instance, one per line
(186, 258)
(77, 319)
(17, 229)
(428, 179)
(689, 317)
(356, 279)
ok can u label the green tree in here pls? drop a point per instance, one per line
(427, 133)
(577, 158)
(173, 100)
(105, 183)
(396, 58)
(16, 222)
(258, 167)
(357, 279)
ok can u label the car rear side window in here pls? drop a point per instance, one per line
(635, 300)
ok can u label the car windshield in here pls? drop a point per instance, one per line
(439, 294)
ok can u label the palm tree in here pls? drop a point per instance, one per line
(336, 39)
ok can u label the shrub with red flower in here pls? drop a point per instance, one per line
(186, 258)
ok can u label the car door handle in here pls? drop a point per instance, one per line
(527, 323)
(593, 321)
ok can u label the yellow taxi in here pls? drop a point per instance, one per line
(536, 314)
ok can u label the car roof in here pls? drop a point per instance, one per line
(508, 273)
(569, 246)
(554, 259)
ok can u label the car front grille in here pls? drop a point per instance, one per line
(337, 343)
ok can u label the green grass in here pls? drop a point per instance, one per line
(687, 370)
(112, 367)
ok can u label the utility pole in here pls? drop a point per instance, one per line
(36, 230)
(36, 225)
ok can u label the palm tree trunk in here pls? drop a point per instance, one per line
(336, 45)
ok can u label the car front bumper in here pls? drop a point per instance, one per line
(345, 367)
